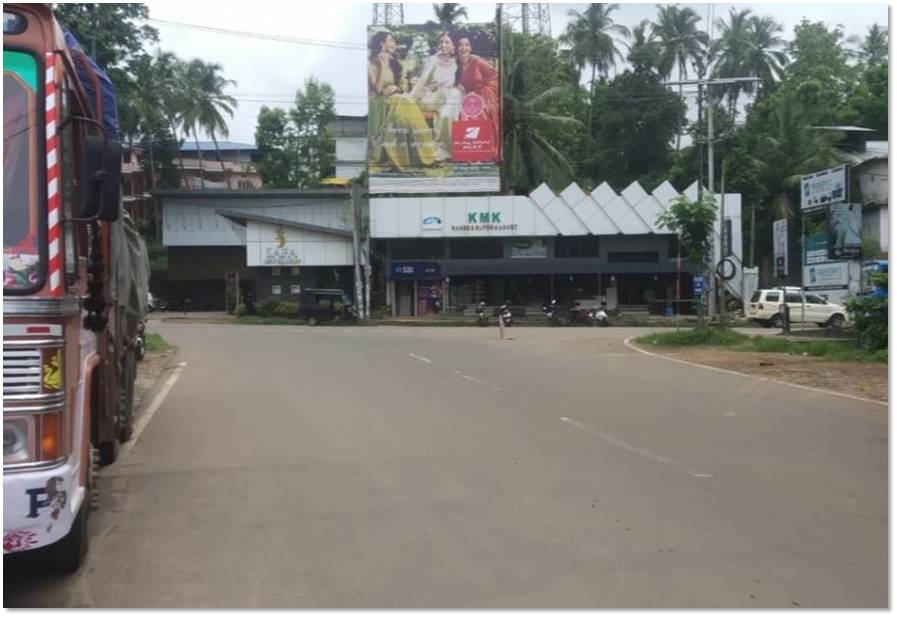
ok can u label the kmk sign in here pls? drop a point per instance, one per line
(485, 221)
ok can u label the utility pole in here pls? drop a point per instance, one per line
(709, 82)
(356, 249)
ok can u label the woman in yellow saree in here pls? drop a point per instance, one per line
(400, 138)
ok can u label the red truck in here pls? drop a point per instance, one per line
(74, 287)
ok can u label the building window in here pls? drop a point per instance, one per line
(616, 257)
(576, 246)
(476, 248)
(126, 156)
(275, 290)
(275, 271)
(294, 271)
(417, 249)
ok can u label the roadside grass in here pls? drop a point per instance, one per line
(155, 342)
(834, 351)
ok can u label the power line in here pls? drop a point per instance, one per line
(259, 35)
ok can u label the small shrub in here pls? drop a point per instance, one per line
(155, 342)
(278, 308)
(696, 336)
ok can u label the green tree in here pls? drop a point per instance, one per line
(635, 118)
(275, 138)
(867, 106)
(693, 221)
(540, 130)
(680, 42)
(875, 46)
(108, 32)
(590, 35)
(205, 105)
(764, 56)
(731, 51)
(820, 65)
(449, 14)
(644, 51)
(316, 149)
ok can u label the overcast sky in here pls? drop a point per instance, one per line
(268, 72)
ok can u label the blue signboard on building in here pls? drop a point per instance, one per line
(415, 270)
(697, 284)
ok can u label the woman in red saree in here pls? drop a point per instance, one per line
(477, 76)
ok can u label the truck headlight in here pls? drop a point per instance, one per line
(17, 442)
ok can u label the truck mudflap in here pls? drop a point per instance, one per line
(39, 507)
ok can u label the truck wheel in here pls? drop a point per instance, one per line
(109, 449)
(777, 321)
(837, 321)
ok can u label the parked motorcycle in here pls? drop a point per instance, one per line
(551, 312)
(598, 316)
(504, 313)
(482, 319)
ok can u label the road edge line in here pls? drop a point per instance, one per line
(767, 379)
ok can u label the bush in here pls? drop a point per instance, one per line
(696, 336)
(870, 315)
(277, 308)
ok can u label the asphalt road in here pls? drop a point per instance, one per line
(441, 467)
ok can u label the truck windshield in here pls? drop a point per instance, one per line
(22, 269)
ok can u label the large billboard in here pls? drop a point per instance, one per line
(434, 109)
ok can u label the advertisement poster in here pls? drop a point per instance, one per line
(831, 275)
(845, 231)
(780, 246)
(823, 187)
(434, 109)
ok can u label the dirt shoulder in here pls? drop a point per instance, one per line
(149, 370)
(865, 379)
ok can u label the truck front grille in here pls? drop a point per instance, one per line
(21, 371)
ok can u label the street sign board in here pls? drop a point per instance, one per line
(780, 246)
(697, 284)
(823, 187)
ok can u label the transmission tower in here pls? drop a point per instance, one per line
(528, 17)
(388, 14)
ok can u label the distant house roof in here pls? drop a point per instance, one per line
(875, 151)
(206, 146)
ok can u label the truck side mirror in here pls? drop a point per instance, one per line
(100, 178)
(91, 173)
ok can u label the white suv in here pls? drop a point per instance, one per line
(765, 308)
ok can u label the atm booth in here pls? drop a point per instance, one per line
(415, 288)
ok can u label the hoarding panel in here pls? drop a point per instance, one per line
(823, 187)
(434, 109)
(845, 235)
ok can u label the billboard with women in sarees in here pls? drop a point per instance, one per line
(434, 109)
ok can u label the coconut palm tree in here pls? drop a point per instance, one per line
(449, 14)
(206, 104)
(528, 154)
(170, 78)
(680, 41)
(590, 35)
(764, 57)
(731, 51)
(644, 51)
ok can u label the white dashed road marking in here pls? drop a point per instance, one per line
(657, 458)
(421, 358)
